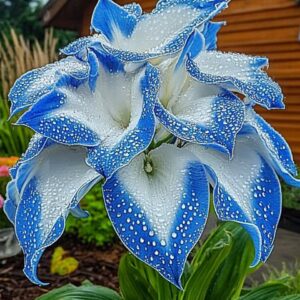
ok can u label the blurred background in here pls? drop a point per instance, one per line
(31, 34)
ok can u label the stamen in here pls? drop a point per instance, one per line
(148, 167)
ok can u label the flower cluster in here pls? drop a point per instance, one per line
(149, 106)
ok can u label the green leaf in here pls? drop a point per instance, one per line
(206, 263)
(136, 279)
(230, 277)
(290, 297)
(84, 292)
(270, 290)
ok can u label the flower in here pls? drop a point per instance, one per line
(8, 161)
(1, 201)
(4, 171)
(5, 164)
(132, 36)
(148, 105)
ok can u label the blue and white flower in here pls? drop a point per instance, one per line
(148, 105)
(113, 116)
(194, 111)
(132, 36)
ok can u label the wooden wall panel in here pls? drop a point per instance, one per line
(260, 27)
(270, 28)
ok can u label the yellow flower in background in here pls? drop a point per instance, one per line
(8, 161)
(61, 265)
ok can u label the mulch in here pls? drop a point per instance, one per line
(98, 265)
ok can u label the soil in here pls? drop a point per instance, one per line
(98, 265)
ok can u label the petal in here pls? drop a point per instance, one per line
(194, 45)
(36, 145)
(237, 72)
(117, 118)
(162, 32)
(80, 46)
(246, 191)
(33, 85)
(77, 212)
(275, 146)
(210, 31)
(94, 70)
(49, 186)
(113, 20)
(206, 39)
(133, 9)
(112, 155)
(204, 114)
(160, 215)
(11, 201)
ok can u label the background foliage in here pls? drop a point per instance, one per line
(24, 17)
(217, 271)
(97, 228)
(24, 45)
(18, 55)
(291, 195)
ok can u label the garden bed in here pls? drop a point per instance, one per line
(98, 265)
(290, 219)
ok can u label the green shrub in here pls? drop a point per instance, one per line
(288, 275)
(4, 223)
(291, 196)
(97, 228)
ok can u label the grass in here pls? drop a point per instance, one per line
(17, 56)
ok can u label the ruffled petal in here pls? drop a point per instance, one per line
(237, 72)
(80, 46)
(210, 32)
(94, 69)
(117, 118)
(49, 186)
(275, 145)
(203, 114)
(113, 21)
(35, 84)
(194, 45)
(112, 155)
(246, 191)
(159, 214)
(36, 145)
(162, 32)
